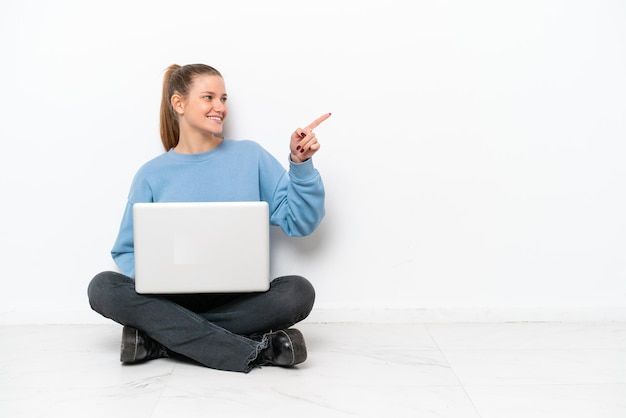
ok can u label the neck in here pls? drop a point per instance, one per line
(197, 145)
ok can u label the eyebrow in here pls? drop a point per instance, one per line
(213, 93)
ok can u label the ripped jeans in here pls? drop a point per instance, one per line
(211, 329)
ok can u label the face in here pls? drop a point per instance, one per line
(204, 109)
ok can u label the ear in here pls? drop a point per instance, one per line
(177, 103)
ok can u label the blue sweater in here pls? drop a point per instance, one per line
(234, 171)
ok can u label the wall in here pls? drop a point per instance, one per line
(473, 162)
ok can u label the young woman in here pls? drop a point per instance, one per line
(234, 332)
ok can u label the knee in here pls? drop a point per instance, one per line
(301, 292)
(305, 289)
(101, 288)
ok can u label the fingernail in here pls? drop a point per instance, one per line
(302, 134)
(298, 147)
(302, 150)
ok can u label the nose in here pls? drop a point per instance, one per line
(219, 106)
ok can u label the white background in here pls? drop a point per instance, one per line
(474, 161)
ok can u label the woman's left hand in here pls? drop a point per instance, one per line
(303, 141)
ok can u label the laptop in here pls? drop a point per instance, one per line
(201, 247)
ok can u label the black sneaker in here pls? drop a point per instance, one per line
(137, 347)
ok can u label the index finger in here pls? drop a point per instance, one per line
(317, 121)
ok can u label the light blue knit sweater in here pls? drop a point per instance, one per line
(237, 170)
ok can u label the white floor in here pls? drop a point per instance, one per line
(502, 370)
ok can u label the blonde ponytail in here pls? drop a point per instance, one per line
(168, 122)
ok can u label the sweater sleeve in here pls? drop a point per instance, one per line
(123, 251)
(297, 196)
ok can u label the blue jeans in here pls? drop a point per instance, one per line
(211, 329)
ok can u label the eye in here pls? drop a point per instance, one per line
(224, 99)
(208, 97)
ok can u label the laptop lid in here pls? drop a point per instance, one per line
(201, 247)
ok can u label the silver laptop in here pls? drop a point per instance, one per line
(201, 247)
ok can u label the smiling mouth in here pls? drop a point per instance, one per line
(215, 118)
